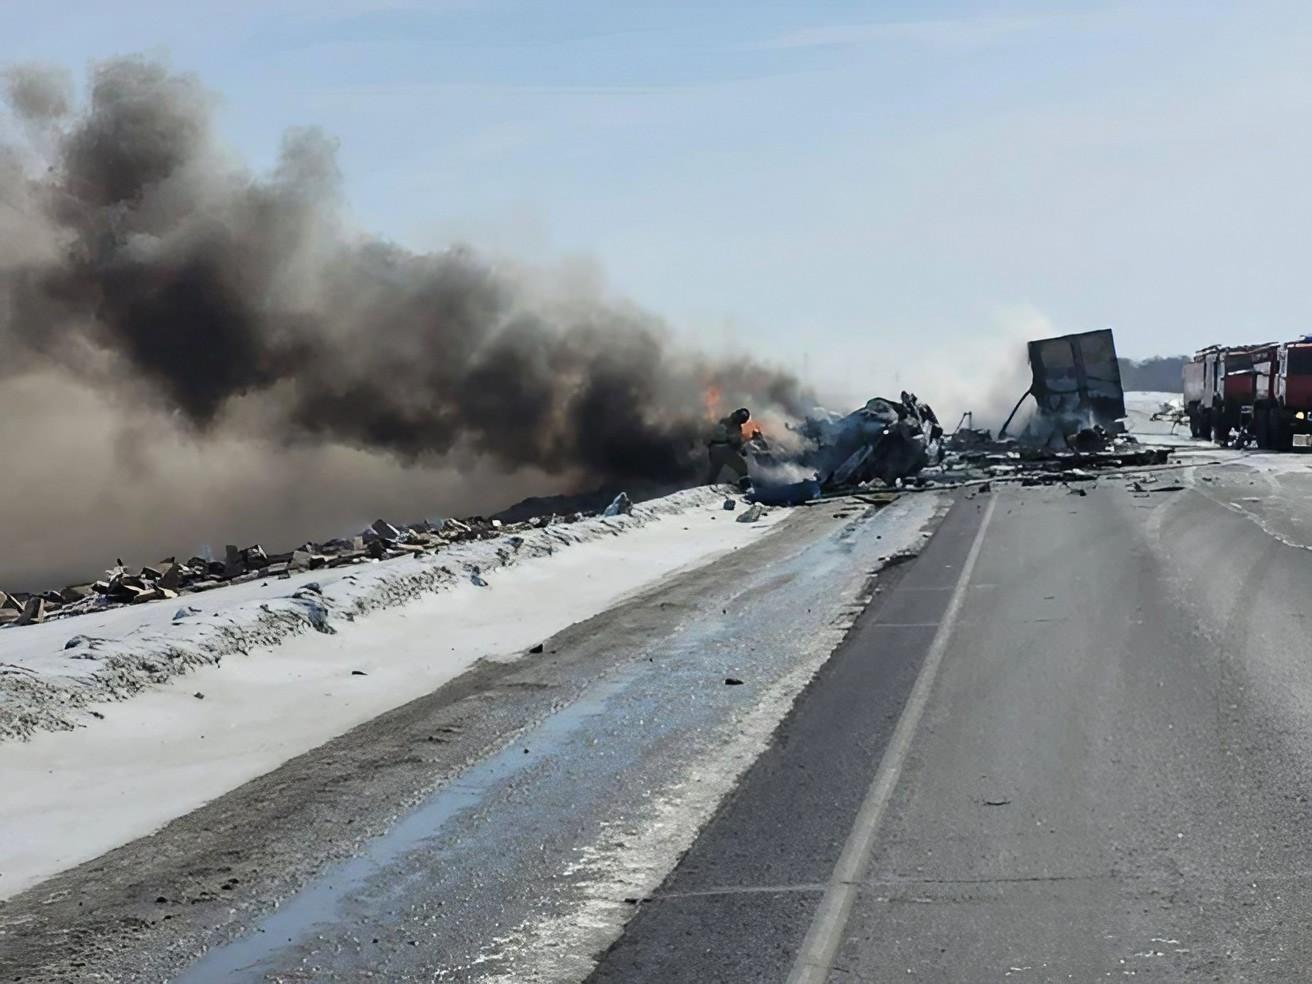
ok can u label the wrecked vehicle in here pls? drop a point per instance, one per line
(1076, 385)
(1077, 428)
(883, 441)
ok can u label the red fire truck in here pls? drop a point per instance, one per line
(1259, 393)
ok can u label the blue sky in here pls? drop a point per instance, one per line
(845, 186)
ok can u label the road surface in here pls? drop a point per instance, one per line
(1108, 779)
(1071, 741)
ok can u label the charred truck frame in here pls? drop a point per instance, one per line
(1258, 393)
(1076, 384)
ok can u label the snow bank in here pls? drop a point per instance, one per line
(1149, 401)
(1139, 408)
(52, 673)
(168, 751)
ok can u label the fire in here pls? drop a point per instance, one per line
(711, 400)
(717, 409)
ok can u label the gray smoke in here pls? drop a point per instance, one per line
(199, 313)
(38, 93)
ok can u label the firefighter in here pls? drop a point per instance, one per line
(725, 448)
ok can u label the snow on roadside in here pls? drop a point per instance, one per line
(167, 751)
(52, 673)
(1139, 408)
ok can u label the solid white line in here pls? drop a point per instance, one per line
(816, 957)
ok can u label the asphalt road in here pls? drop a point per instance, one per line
(1105, 773)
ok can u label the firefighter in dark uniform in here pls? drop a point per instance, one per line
(725, 448)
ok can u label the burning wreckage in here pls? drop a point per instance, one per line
(884, 445)
(1076, 424)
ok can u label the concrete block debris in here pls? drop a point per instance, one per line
(382, 540)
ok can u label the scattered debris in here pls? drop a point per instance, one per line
(621, 505)
(792, 494)
(732, 682)
(382, 540)
(753, 512)
(1172, 411)
(170, 580)
(34, 610)
(232, 564)
(1089, 440)
(729, 505)
(899, 446)
(359, 673)
(535, 650)
(966, 435)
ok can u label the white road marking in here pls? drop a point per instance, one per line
(816, 957)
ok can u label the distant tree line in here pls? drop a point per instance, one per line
(1161, 373)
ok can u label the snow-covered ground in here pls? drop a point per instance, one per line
(50, 673)
(1139, 408)
(273, 687)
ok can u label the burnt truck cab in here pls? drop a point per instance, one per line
(1204, 385)
(1204, 391)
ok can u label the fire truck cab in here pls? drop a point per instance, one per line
(1203, 388)
(1288, 410)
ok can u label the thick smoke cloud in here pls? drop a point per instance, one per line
(196, 304)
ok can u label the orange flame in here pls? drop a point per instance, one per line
(711, 400)
(717, 409)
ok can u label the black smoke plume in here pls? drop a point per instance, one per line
(190, 303)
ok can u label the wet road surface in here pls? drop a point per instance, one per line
(513, 870)
(1109, 777)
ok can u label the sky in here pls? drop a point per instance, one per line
(870, 193)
